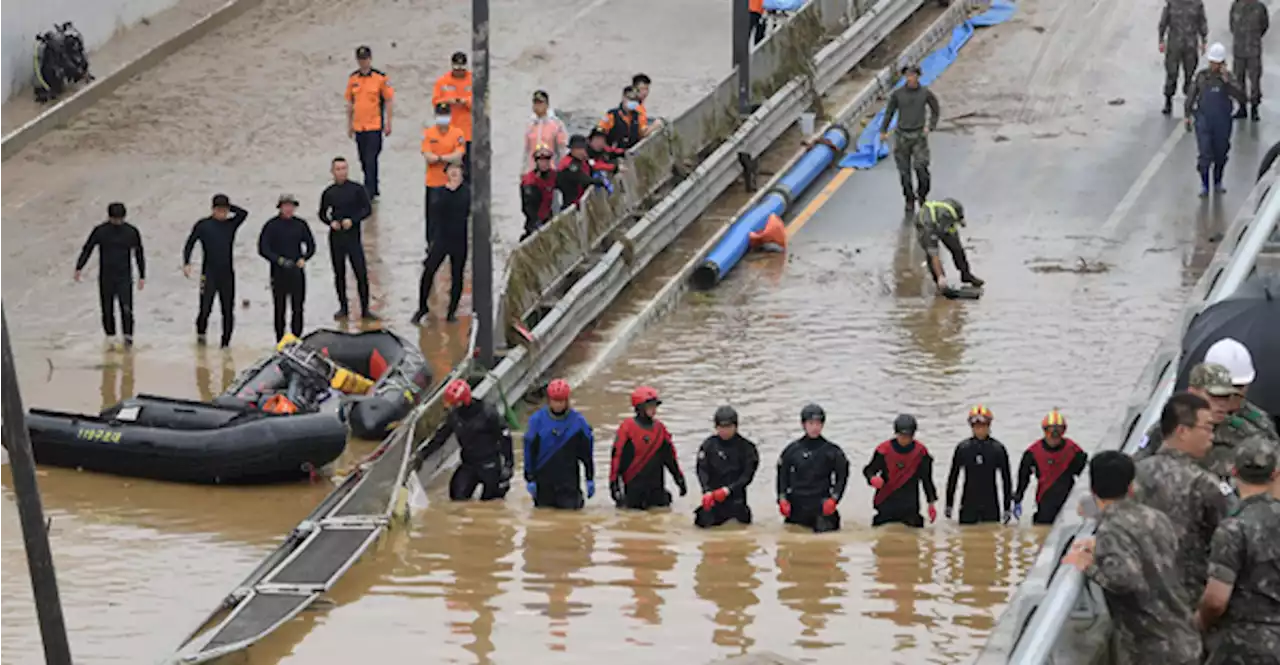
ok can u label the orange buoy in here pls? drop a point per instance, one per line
(773, 238)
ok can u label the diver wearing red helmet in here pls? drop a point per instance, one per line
(642, 449)
(1056, 461)
(557, 442)
(484, 441)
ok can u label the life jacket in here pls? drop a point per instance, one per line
(644, 442)
(546, 184)
(554, 432)
(624, 133)
(1051, 464)
(902, 467)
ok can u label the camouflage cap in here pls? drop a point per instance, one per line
(1256, 459)
(1213, 379)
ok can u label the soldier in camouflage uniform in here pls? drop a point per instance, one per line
(1244, 417)
(1183, 30)
(940, 221)
(1173, 482)
(1209, 382)
(1133, 559)
(1241, 603)
(917, 109)
(1249, 22)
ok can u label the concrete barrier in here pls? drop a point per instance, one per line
(69, 106)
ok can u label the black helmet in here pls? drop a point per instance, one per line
(812, 412)
(955, 205)
(725, 415)
(904, 424)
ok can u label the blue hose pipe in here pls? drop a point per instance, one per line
(791, 186)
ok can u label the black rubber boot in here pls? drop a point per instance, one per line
(1168, 105)
(923, 183)
(1254, 112)
(1241, 113)
(970, 278)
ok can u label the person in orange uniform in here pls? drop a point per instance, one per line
(623, 126)
(640, 83)
(1056, 461)
(369, 96)
(643, 448)
(442, 144)
(454, 90)
(756, 30)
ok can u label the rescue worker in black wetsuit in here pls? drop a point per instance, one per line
(217, 237)
(119, 244)
(642, 449)
(980, 457)
(897, 470)
(450, 214)
(727, 463)
(1056, 461)
(557, 442)
(287, 244)
(484, 442)
(812, 475)
(344, 206)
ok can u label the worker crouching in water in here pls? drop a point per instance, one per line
(980, 457)
(897, 470)
(727, 463)
(1056, 461)
(557, 442)
(940, 221)
(643, 448)
(812, 475)
(484, 441)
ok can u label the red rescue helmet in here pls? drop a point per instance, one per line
(558, 389)
(644, 395)
(980, 414)
(1054, 420)
(457, 393)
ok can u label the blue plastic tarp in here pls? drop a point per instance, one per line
(870, 150)
(783, 5)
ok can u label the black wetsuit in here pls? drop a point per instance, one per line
(1056, 469)
(641, 451)
(485, 444)
(450, 213)
(810, 471)
(555, 447)
(904, 469)
(980, 459)
(347, 200)
(117, 244)
(217, 272)
(282, 242)
(730, 464)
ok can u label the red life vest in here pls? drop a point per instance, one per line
(1051, 464)
(645, 443)
(901, 467)
(546, 184)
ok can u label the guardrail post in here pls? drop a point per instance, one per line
(742, 55)
(750, 170)
(481, 162)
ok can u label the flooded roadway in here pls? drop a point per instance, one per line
(253, 109)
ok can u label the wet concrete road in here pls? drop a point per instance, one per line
(254, 109)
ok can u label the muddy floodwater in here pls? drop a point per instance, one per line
(1082, 217)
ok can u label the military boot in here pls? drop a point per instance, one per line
(970, 278)
(908, 192)
(1254, 112)
(1168, 105)
(1241, 113)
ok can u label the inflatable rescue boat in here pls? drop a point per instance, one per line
(280, 420)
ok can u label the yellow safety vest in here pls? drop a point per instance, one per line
(934, 206)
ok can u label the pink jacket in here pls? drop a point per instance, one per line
(548, 130)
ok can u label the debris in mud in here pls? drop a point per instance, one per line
(1038, 28)
(1000, 138)
(1082, 266)
(1118, 101)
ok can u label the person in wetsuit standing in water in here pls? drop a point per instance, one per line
(485, 443)
(1056, 461)
(727, 463)
(897, 470)
(642, 449)
(812, 475)
(557, 442)
(117, 241)
(980, 457)
(217, 237)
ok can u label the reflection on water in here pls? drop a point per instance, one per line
(646, 558)
(812, 582)
(117, 377)
(726, 576)
(205, 385)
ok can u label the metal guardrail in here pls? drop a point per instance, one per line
(798, 57)
(1036, 623)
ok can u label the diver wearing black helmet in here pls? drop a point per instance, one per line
(897, 470)
(812, 475)
(941, 221)
(727, 463)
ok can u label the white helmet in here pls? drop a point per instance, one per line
(1217, 53)
(1235, 357)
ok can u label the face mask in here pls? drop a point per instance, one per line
(631, 105)
(442, 120)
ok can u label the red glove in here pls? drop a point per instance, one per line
(784, 507)
(876, 482)
(933, 513)
(720, 494)
(708, 500)
(829, 507)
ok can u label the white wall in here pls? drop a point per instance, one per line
(97, 20)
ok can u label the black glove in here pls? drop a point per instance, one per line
(684, 488)
(615, 490)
